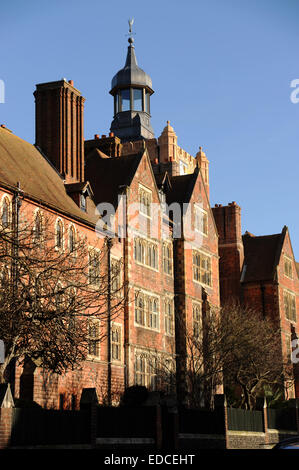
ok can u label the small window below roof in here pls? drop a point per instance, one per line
(137, 99)
(125, 99)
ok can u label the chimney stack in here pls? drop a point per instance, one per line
(231, 250)
(59, 127)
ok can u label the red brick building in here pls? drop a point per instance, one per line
(261, 272)
(171, 260)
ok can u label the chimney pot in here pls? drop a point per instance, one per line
(71, 82)
(96, 136)
(111, 134)
(103, 136)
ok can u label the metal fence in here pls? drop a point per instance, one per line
(245, 420)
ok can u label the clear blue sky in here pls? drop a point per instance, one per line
(221, 71)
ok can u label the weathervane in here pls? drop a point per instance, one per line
(131, 21)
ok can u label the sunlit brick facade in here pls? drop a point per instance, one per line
(174, 268)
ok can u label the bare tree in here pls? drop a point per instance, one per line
(236, 347)
(253, 355)
(52, 287)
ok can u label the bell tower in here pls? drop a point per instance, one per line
(131, 89)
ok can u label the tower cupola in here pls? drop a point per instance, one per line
(131, 88)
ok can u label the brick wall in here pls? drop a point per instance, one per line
(5, 426)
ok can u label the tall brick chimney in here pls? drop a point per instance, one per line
(231, 251)
(59, 127)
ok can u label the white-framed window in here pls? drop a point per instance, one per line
(115, 342)
(202, 268)
(153, 313)
(197, 320)
(147, 310)
(145, 369)
(152, 255)
(289, 300)
(146, 253)
(200, 220)
(139, 250)
(288, 267)
(59, 234)
(94, 266)
(167, 258)
(169, 316)
(115, 276)
(72, 239)
(5, 212)
(94, 338)
(145, 201)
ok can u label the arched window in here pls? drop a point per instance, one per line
(155, 257)
(169, 317)
(139, 310)
(5, 213)
(153, 313)
(196, 267)
(145, 202)
(197, 327)
(59, 234)
(38, 227)
(72, 239)
(167, 258)
(149, 256)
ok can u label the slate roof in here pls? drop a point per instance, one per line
(261, 256)
(181, 188)
(22, 162)
(107, 175)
